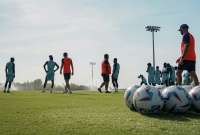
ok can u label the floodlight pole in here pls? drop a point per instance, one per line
(153, 50)
(92, 72)
(153, 29)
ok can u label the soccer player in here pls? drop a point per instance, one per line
(157, 75)
(105, 72)
(186, 78)
(172, 75)
(67, 69)
(115, 74)
(49, 68)
(165, 76)
(151, 74)
(187, 61)
(10, 74)
(143, 80)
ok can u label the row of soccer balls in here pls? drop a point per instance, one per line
(150, 99)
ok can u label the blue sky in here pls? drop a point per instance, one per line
(30, 30)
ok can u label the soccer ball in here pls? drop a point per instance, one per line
(187, 87)
(160, 87)
(195, 95)
(177, 99)
(128, 96)
(148, 99)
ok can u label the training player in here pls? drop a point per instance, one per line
(49, 68)
(151, 74)
(165, 76)
(105, 72)
(157, 75)
(187, 61)
(143, 80)
(115, 74)
(67, 69)
(10, 74)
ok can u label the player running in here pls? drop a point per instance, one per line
(105, 72)
(49, 68)
(115, 74)
(10, 74)
(187, 61)
(67, 69)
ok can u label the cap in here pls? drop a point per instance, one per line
(183, 26)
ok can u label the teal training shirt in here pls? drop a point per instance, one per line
(10, 68)
(116, 68)
(51, 66)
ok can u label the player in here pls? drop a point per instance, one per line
(49, 68)
(115, 74)
(151, 74)
(10, 74)
(67, 69)
(187, 61)
(105, 72)
(157, 75)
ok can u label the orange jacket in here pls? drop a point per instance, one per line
(191, 55)
(105, 68)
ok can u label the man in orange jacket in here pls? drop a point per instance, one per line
(187, 61)
(105, 72)
(67, 69)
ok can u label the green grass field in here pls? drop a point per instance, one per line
(85, 113)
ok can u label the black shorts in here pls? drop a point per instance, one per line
(114, 79)
(188, 65)
(106, 78)
(67, 76)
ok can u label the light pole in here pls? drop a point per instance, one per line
(92, 72)
(153, 29)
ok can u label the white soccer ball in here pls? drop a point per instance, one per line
(128, 96)
(177, 99)
(148, 99)
(160, 87)
(187, 87)
(195, 95)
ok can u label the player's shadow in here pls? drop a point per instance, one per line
(175, 117)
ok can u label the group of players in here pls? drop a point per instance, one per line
(187, 62)
(67, 69)
(50, 68)
(173, 75)
(166, 76)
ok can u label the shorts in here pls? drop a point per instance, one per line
(114, 79)
(9, 77)
(50, 76)
(67, 76)
(106, 78)
(188, 65)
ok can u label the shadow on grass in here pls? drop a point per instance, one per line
(175, 117)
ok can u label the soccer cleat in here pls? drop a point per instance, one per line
(107, 92)
(8, 91)
(4, 91)
(99, 89)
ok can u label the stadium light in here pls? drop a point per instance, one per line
(92, 72)
(153, 29)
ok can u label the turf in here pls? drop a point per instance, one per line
(85, 113)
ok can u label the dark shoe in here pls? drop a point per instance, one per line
(99, 90)
(4, 91)
(107, 92)
(8, 91)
